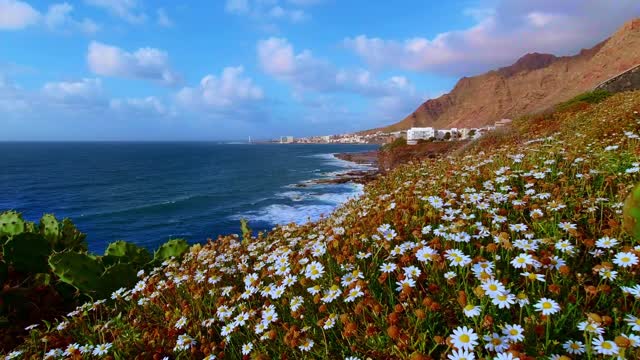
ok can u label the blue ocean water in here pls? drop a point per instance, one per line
(147, 193)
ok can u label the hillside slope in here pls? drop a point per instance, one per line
(534, 83)
(514, 244)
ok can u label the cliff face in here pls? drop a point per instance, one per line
(534, 83)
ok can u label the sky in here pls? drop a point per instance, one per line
(98, 70)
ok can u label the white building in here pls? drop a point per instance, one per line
(419, 133)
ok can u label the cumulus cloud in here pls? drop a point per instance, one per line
(16, 15)
(88, 90)
(268, 10)
(389, 98)
(128, 10)
(501, 35)
(231, 89)
(146, 105)
(304, 71)
(145, 63)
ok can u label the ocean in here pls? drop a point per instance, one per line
(146, 193)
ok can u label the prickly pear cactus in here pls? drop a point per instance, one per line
(27, 252)
(116, 277)
(71, 238)
(175, 248)
(246, 231)
(631, 213)
(79, 270)
(11, 223)
(124, 252)
(50, 228)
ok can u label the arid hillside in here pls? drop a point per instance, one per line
(532, 84)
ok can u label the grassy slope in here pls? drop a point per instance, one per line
(559, 164)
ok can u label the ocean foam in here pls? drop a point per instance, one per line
(286, 214)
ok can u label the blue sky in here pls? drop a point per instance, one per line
(229, 69)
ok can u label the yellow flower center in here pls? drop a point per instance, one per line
(626, 259)
(532, 276)
(468, 307)
(547, 305)
(464, 338)
(493, 287)
(513, 332)
(521, 260)
(606, 345)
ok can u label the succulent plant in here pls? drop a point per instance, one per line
(71, 238)
(79, 270)
(27, 252)
(172, 248)
(117, 276)
(11, 223)
(50, 228)
(124, 252)
(631, 213)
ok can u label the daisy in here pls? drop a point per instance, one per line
(472, 310)
(314, 270)
(388, 267)
(633, 321)
(521, 261)
(101, 349)
(449, 275)
(590, 326)
(425, 254)
(246, 348)
(606, 242)
(505, 356)
(306, 345)
(495, 342)
(625, 259)
(493, 287)
(604, 347)
(515, 332)
(464, 338)
(547, 306)
(574, 347)
(181, 323)
(411, 271)
(503, 300)
(408, 282)
(533, 276)
(518, 227)
(461, 355)
(567, 226)
(353, 294)
(13, 355)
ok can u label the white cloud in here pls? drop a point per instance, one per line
(230, 89)
(500, 36)
(268, 10)
(163, 18)
(305, 2)
(16, 15)
(85, 90)
(146, 105)
(128, 10)
(304, 71)
(145, 63)
(58, 16)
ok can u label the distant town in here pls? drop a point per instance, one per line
(412, 135)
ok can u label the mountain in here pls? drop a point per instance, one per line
(533, 83)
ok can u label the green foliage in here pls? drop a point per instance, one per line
(631, 213)
(50, 228)
(123, 252)
(71, 238)
(394, 144)
(11, 223)
(27, 252)
(589, 97)
(172, 248)
(246, 231)
(118, 276)
(79, 270)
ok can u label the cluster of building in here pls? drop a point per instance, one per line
(412, 135)
(416, 134)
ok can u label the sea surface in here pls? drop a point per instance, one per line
(147, 193)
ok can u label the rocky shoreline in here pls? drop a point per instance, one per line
(355, 176)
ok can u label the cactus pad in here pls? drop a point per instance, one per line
(50, 228)
(124, 252)
(27, 252)
(117, 276)
(78, 270)
(11, 223)
(72, 238)
(172, 248)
